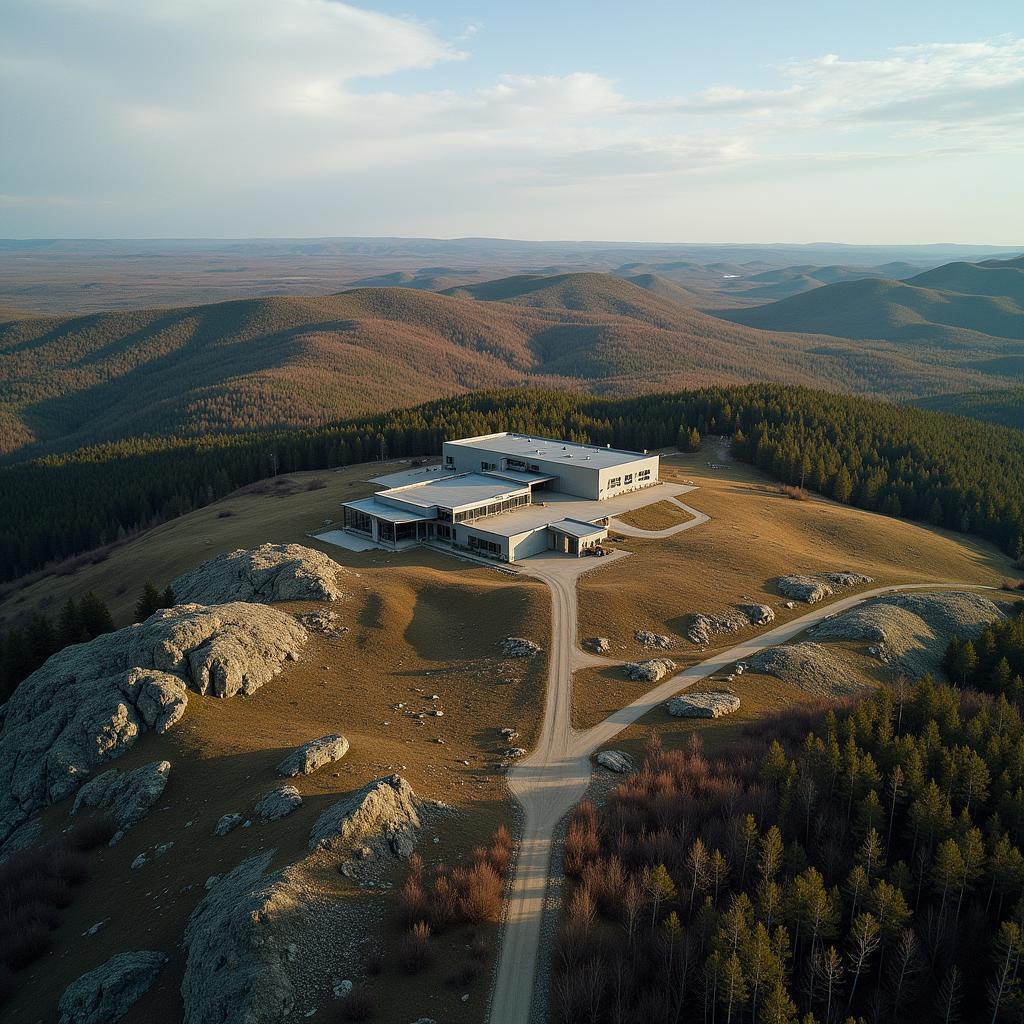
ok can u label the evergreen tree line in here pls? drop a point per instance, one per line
(24, 647)
(898, 460)
(994, 662)
(870, 868)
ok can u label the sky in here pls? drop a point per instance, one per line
(734, 121)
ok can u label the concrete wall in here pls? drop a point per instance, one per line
(523, 545)
(632, 469)
(463, 533)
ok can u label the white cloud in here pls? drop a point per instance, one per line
(189, 106)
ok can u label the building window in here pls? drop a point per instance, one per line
(485, 547)
(449, 460)
(644, 474)
(354, 519)
(616, 481)
(487, 466)
(629, 479)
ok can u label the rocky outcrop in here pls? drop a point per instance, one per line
(313, 755)
(809, 667)
(227, 823)
(108, 992)
(278, 803)
(709, 704)
(649, 671)
(646, 638)
(90, 702)
(615, 761)
(758, 614)
(811, 589)
(599, 644)
(243, 946)
(519, 647)
(127, 796)
(704, 628)
(269, 573)
(911, 632)
(384, 813)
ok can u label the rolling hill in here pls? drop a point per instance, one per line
(304, 360)
(1002, 406)
(959, 304)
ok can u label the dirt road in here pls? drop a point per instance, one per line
(553, 778)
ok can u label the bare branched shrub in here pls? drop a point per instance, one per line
(416, 952)
(359, 1004)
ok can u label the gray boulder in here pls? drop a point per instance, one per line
(759, 614)
(106, 993)
(704, 628)
(846, 578)
(809, 589)
(127, 796)
(89, 703)
(519, 647)
(313, 755)
(710, 704)
(278, 803)
(649, 671)
(269, 573)
(599, 644)
(242, 944)
(227, 823)
(646, 638)
(385, 812)
(615, 761)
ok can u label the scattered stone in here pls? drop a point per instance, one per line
(116, 838)
(704, 628)
(93, 929)
(127, 796)
(384, 814)
(313, 755)
(89, 702)
(162, 848)
(226, 823)
(341, 988)
(106, 994)
(509, 733)
(846, 579)
(519, 647)
(264, 575)
(599, 644)
(278, 803)
(709, 704)
(759, 614)
(615, 761)
(649, 671)
(323, 622)
(648, 639)
(140, 861)
(808, 666)
(211, 882)
(515, 752)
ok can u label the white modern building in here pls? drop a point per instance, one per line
(506, 496)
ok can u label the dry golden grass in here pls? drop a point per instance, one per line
(659, 516)
(417, 624)
(755, 535)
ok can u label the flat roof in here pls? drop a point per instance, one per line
(518, 474)
(456, 491)
(577, 528)
(389, 513)
(548, 449)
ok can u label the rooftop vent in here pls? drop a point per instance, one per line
(607, 446)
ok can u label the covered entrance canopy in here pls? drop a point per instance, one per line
(574, 536)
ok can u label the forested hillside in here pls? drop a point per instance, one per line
(863, 864)
(897, 460)
(280, 362)
(1003, 406)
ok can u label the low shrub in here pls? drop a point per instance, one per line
(416, 953)
(796, 493)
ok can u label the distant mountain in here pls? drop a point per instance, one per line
(1005, 406)
(954, 305)
(304, 360)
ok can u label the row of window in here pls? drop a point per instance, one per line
(494, 508)
(485, 547)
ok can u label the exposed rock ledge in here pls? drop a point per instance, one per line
(384, 810)
(269, 573)
(709, 704)
(128, 796)
(90, 702)
(108, 992)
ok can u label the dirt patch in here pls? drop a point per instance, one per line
(809, 667)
